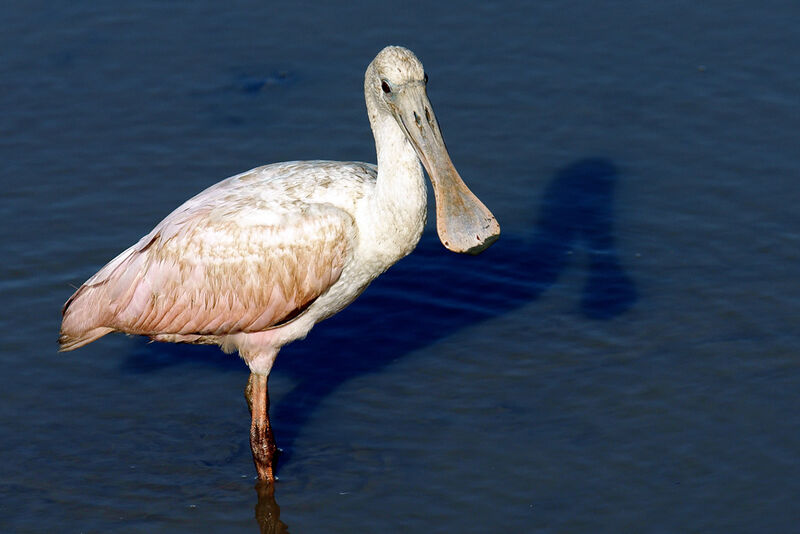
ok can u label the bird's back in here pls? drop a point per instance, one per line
(244, 255)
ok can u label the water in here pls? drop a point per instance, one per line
(624, 359)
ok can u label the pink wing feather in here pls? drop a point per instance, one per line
(220, 264)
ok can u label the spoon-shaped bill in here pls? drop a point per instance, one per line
(464, 224)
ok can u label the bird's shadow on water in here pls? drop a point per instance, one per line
(433, 294)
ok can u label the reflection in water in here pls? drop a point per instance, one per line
(432, 294)
(268, 513)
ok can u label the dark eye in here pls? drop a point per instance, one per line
(425, 79)
(385, 87)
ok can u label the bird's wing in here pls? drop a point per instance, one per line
(222, 263)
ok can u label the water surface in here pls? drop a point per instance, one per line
(624, 359)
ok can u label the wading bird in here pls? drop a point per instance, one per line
(255, 261)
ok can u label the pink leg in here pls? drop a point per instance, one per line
(262, 441)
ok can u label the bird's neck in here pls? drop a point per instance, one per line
(399, 199)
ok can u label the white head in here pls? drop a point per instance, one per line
(394, 86)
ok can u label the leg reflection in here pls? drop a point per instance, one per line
(268, 513)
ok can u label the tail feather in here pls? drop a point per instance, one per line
(88, 312)
(67, 342)
(83, 318)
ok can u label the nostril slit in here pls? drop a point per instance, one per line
(416, 118)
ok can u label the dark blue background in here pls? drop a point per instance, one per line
(624, 359)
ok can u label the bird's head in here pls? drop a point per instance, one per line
(395, 85)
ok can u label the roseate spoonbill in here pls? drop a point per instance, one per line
(253, 262)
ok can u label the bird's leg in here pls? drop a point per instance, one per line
(261, 440)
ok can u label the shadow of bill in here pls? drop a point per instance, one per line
(433, 294)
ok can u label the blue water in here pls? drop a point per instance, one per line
(624, 359)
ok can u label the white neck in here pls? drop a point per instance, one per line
(400, 198)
